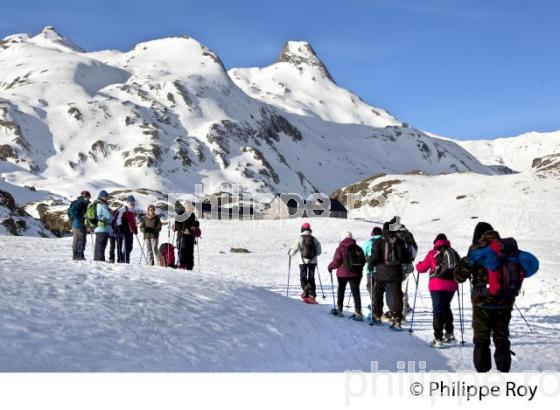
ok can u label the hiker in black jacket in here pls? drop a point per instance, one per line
(387, 257)
(188, 231)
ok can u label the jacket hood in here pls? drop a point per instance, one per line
(347, 242)
(442, 243)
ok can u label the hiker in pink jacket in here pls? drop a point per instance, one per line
(440, 262)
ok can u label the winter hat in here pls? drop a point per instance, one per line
(346, 235)
(395, 223)
(306, 227)
(85, 194)
(130, 199)
(376, 231)
(480, 229)
(440, 237)
(103, 195)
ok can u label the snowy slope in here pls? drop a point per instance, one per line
(234, 316)
(517, 153)
(166, 115)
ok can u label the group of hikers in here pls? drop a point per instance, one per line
(118, 227)
(495, 266)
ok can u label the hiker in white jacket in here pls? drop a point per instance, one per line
(309, 248)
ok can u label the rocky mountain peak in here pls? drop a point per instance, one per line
(301, 54)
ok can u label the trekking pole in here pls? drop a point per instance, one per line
(198, 256)
(460, 302)
(417, 279)
(320, 282)
(92, 246)
(289, 271)
(371, 299)
(141, 250)
(348, 303)
(525, 320)
(332, 291)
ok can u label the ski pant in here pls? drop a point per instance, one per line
(394, 295)
(101, 239)
(491, 322)
(112, 247)
(124, 247)
(307, 278)
(185, 246)
(404, 291)
(79, 239)
(151, 245)
(443, 317)
(354, 288)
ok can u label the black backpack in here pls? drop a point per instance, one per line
(355, 259)
(446, 261)
(392, 251)
(308, 250)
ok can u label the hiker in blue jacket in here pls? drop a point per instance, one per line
(77, 214)
(103, 228)
(370, 270)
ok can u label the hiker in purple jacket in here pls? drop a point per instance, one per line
(347, 275)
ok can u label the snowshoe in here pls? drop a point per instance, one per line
(357, 317)
(336, 312)
(375, 321)
(449, 338)
(437, 344)
(397, 327)
(310, 300)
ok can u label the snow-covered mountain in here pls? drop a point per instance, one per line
(518, 153)
(166, 115)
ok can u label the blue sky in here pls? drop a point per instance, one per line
(459, 68)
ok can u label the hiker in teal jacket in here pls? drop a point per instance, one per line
(76, 215)
(370, 270)
(103, 228)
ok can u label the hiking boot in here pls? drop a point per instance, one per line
(387, 315)
(396, 325)
(449, 338)
(336, 312)
(358, 317)
(436, 343)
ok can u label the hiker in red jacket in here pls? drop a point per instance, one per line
(440, 262)
(349, 266)
(125, 226)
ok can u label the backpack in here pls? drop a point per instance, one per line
(409, 243)
(446, 261)
(69, 212)
(355, 259)
(91, 214)
(166, 255)
(124, 226)
(506, 280)
(392, 251)
(308, 250)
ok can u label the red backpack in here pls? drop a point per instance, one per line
(167, 255)
(507, 279)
